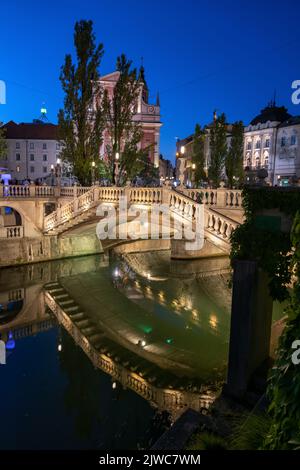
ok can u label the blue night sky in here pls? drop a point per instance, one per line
(199, 55)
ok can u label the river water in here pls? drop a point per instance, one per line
(161, 329)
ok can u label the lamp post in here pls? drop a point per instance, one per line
(58, 172)
(52, 175)
(93, 173)
(117, 156)
(193, 173)
(181, 165)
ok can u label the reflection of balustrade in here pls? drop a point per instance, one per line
(168, 399)
(16, 294)
(13, 231)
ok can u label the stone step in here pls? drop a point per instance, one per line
(77, 316)
(66, 302)
(89, 331)
(71, 309)
(84, 323)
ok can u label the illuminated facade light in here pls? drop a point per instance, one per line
(59, 348)
(182, 149)
(117, 156)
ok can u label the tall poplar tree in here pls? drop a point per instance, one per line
(234, 158)
(124, 134)
(218, 149)
(81, 122)
(198, 156)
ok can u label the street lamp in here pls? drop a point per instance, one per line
(93, 173)
(58, 171)
(193, 173)
(52, 175)
(117, 157)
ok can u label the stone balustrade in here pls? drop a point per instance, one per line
(221, 197)
(218, 224)
(14, 231)
(145, 195)
(33, 191)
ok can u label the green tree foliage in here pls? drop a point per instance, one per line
(81, 121)
(198, 156)
(218, 149)
(123, 132)
(234, 156)
(3, 145)
(284, 383)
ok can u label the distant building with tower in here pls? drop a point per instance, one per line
(147, 114)
(31, 148)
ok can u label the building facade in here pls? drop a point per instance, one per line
(31, 149)
(271, 141)
(148, 115)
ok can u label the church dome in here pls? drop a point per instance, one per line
(271, 113)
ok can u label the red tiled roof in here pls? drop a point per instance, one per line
(30, 131)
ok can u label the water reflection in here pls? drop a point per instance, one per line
(155, 338)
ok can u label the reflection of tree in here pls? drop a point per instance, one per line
(80, 398)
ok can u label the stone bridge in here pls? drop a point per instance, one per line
(42, 214)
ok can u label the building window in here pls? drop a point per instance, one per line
(18, 156)
(18, 168)
(44, 146)
(45, 158)
(257, 163)
(266, 162)
(283, 141)
(32, 157)
(249, 145)
(293, 140)
(17, 145)
(257, 145)
(57, 146)
(267, 143)
(31, 145)
(45, 169)
(32, 169)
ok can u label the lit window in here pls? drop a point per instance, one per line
(45, 158)
(283, 141)
(18, 156)
(31, 157)
(293, 139)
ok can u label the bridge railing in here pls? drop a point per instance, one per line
(221, 197)
(13, 231)
(34, 191)
(219, 225)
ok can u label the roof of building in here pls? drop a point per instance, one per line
(292, 121)
(271, 113)
(34, 130)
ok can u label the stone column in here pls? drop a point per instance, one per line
(250, 331)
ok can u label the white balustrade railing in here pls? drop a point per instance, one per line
(12, 231)
(229, 198)
(145, 195)
(220, 225)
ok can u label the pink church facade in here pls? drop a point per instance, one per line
(148, 115)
